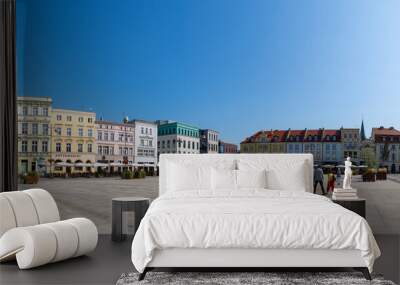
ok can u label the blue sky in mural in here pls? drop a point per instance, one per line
(234, 66)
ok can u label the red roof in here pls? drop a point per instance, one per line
(332, 135)
(385, 131)
(285, 135)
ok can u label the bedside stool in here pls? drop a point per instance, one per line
(138, 205)
(355, 205)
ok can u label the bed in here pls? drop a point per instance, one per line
(247, 211)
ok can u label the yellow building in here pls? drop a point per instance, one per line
(257, 143)
(265, 142)
(73, 140)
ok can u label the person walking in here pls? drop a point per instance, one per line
(338, 177)
(331, 181)
(319, 179)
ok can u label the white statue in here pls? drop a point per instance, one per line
(347, 174)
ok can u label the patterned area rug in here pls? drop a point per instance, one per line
(229, 278)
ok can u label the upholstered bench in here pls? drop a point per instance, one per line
(31, 231)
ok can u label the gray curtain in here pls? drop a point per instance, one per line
(8, 99)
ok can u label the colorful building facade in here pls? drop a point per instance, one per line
(73, 139)
(351, 139)
(387, 147)
(34, 135)
(115, 143)
(324, 144)
(225, 147)
(174, 137)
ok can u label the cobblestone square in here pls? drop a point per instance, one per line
(91, 198)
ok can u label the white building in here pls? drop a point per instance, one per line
(209, 141)
(145, 151)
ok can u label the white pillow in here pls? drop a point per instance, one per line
(251, 178)
(183, 178)
(292, 178)
(223, 179)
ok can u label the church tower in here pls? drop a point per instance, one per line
(362, 131)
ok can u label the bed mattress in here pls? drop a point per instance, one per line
(250, 219)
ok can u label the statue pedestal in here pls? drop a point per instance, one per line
(344, 194)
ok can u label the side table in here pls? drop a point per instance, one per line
(355, 205)
(138, 205)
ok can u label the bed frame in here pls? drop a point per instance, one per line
(240, 260)
(245, 259)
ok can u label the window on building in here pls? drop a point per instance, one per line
(58, 131)
(35, 111)
(34, 146)
(58, 147)
(111, 136)
(80, 119)
(80, 132)
(151, 131)
(45, 146)
(121, 137)
(184, 144)
(142, 142)
(24, 128)
(142, 130)
(69, 118)
(68, 147)
(45, 129)
(45, 111)
(89, 148)
(34, 129)
(105, 136)
(99, 149)
(163, 144)
(24, 146)
(25, 111)
(69, 132)
(90, 120)
(59, 117)
(90, 132)
(192, 145)
(80, 147)
(150, 143)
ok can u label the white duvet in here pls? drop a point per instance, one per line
(250, 219)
